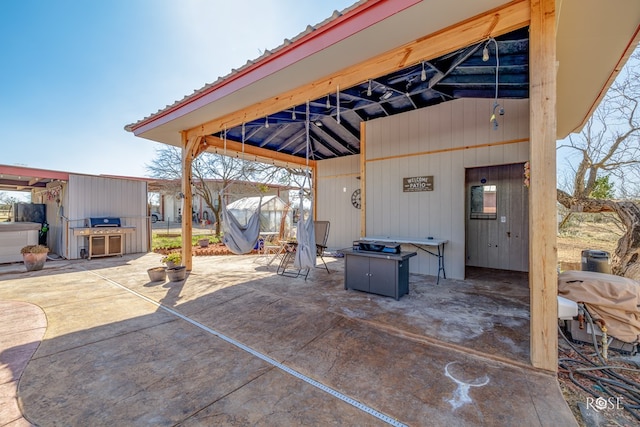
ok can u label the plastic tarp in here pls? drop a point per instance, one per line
(238, 238)
(306, 247)
(272, 208)
(607, 297)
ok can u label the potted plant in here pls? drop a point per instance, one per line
(34, 256)
(177, 273)
(157, 274)
(173, 259)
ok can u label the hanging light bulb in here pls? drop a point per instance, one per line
(369, 88)
(485, 52)
(266, 122)
(423, 75)
(293, 113)
(328, 102)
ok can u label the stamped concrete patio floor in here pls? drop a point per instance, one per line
(236, 344)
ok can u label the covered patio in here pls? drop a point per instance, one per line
(235, 344)
(393, 90)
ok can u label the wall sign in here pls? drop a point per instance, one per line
(417, 183)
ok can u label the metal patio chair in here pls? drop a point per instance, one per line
(321, 230)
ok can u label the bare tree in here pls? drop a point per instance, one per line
(609, 146)
(212, 174)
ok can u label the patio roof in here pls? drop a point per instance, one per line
(19, 178)
(317, 61)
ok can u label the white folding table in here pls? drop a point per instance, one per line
(436, 247)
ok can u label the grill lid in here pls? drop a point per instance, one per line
(104, 222)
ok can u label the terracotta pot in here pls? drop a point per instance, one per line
(157, 274)
(34, 262)
(177, 274)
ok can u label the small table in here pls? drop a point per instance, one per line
(419, 243)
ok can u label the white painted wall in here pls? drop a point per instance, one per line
(441, 141)
(337, 180)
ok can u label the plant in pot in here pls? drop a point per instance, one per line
(34, 256)
(177, 273)
(157, 274)
(173, 259)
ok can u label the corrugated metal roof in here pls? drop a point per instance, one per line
(248, 65)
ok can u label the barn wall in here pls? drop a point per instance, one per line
(94, 196)
(439, 141)
(337, 180)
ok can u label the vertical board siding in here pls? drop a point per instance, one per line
(439, 213)
(94, 196)
(403, 146)
(334, 203)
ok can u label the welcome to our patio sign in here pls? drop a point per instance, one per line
(417, 183)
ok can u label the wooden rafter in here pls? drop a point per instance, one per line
(233, 147)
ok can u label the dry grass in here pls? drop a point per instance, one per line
(586, 231)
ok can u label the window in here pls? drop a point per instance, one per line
(484, 202)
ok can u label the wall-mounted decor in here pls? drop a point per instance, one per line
(417, 183)
(355, 199)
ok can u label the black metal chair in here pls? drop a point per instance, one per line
(321, 229)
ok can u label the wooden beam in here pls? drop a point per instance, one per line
(543, 276)
(189, 147)
(495, 22)
(218, 145)
(363, 179)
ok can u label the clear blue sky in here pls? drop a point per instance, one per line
(73, 73)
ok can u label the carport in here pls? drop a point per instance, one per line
(372, 75)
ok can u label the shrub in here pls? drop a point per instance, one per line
(34, 249)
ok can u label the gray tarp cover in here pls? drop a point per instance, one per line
(611, 298)
(240, 240)
(306, 238)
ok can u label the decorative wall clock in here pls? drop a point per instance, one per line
(355, 199)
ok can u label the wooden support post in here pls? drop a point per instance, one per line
(189, 148)
(543, 276)
(363, 180)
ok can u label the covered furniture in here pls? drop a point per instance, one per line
(286, 268)
(14, 236)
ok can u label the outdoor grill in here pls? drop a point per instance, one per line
(105, 235)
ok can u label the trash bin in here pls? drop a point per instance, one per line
(594, 260)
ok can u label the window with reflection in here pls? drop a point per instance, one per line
(484, 202)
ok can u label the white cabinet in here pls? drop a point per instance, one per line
(14, 236)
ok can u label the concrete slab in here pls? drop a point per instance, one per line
(22, 326)
(120, 350)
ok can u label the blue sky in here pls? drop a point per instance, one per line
(75, 72)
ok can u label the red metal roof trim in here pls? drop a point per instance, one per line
(39, 173)
(313, 40)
